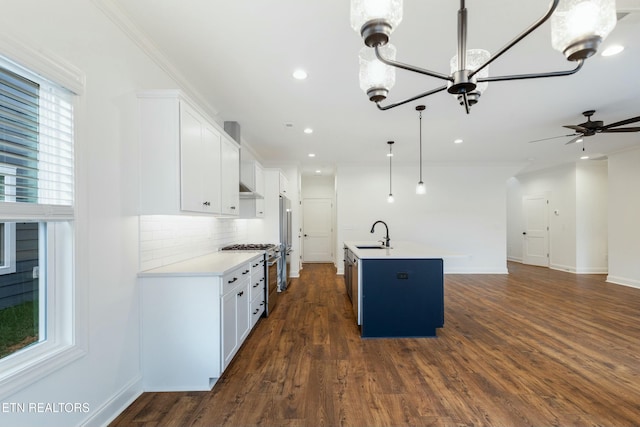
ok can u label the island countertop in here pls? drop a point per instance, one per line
(214, 264)
(399, 250)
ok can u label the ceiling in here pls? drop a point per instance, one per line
(238, 58)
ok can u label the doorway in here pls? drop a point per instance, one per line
(317, 237)
(535, 237)
(318, 212)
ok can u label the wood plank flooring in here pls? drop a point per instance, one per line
(536, 347)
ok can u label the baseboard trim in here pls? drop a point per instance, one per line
(616, 280)
(116, 404)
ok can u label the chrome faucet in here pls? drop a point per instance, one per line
(386, 239)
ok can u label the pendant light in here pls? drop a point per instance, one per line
(578, 27)
(390, 155)
(420, 188)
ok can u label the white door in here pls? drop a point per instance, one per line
(535, 237)
(318, 230)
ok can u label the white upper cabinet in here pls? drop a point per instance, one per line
(284, 185)
(251, 177)
(188, 165)
(200, 155)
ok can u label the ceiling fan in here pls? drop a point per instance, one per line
(590, 128)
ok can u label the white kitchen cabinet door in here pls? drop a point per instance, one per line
(230, 177)
(200, 159)
(235, 321)
(284, 185)
(229, 328)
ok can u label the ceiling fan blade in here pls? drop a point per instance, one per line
(574, 140)
(553, 137)
(633, 129)
(622, 122)
(576, 128)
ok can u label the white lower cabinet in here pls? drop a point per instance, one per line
(193, 325)
(235, 320)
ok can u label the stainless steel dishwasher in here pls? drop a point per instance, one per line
(355, 294)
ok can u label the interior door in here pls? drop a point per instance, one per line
(318, 230)
(535, 237)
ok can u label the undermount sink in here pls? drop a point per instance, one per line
(371, 247)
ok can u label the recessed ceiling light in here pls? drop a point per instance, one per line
(308, 130)
(457, 141)
(614, 49)
(311, 154)
(584, 158)
(299, 74)
(318, 171)
(389, 154)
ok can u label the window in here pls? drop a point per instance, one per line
(7, 229)
(37, 305)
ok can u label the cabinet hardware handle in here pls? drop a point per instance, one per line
(255, 312)
(206, 203)
(240, 293)
(245, 272)
(233, 208)
(233, 280)
(256, 285)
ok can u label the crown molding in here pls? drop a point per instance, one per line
(116, 15)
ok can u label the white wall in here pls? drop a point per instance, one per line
(107, 226)
(624, 217)
(464, 210)
(577, 215)
(591, 217)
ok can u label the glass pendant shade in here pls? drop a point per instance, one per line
(475, 58)
(364, 11)
(579, 26)
(376, 77)
(390, 198)
(421, 188)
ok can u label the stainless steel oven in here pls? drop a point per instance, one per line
(273, 278)
(272, 269)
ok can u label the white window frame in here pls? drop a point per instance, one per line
(8, 261)
(62, 302)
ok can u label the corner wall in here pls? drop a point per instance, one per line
(464, 211)
(624, 218)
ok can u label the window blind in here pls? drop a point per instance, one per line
(36, 144)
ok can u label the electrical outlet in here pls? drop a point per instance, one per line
(36, 272)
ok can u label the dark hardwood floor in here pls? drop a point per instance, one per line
(536, 347)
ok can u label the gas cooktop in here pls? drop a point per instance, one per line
(249, 247)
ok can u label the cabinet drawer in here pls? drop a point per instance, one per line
(240, 275)
(257, 287)
(257, 308)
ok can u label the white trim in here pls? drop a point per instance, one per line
(114, 406)
(43, 63)
(624, 281)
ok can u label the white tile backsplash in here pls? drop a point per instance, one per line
(168, 239)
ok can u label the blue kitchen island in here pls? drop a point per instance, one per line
(398, 291)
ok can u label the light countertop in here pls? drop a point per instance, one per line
(400, 250)
(213, 264)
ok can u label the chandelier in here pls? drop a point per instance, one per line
(577, 29)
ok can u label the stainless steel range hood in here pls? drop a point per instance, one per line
(246, 188)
